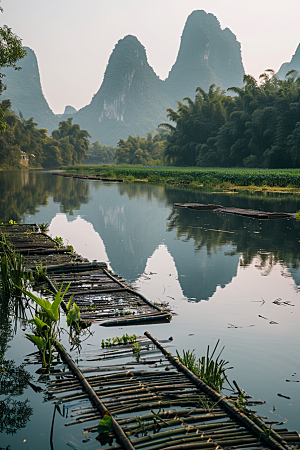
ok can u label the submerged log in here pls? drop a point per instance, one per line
(237, 211)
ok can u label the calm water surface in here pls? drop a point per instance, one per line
(220, 273)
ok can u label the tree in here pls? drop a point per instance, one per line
(11, 52)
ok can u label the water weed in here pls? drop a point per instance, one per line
(212, 372)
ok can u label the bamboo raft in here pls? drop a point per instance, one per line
(102, 297)
(155, 403)
(88, 177)
(237, 211)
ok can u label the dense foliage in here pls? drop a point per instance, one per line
(11, 52)
(67, 145)
(257, 127)
(199, 176)
(146, 151)
(100, 154)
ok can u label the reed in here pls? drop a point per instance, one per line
(13, 273)
(212, 372)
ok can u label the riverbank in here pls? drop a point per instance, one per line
(223, 179)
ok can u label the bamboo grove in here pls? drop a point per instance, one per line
(258, 126)
(67, 145)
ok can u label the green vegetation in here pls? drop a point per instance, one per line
(73, 316)
(11, 51)
(45, 324)
(67, 145)
(258, 127)
(207, 177)
(44, 227)
(146, 151)
(123, 340)
(213, 373)
(12, 272)
(100, 154)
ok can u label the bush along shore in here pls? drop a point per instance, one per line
(224, 179)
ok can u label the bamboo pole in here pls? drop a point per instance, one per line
(125, 442)
(180, 430)
(278, 444)
(197, 437)
(132, 291)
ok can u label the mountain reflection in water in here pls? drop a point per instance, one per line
(133, 219)
(246, 268)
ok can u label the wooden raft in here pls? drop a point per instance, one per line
(237, 211)
(155, 402)
(101, 296)
(88, 177)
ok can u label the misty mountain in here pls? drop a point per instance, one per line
(25, 92)
(207, 55)
(132, 99)
(294, 64)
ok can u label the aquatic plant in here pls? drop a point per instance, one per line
(44, 323)
(298, 215)
(123, 340)
(44, 227)
(13, 272)
(212, 372)
(73, 316)
(58, 241)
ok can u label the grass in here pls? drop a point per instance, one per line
(12, 271)
(224, 178)
(123, 340)
(212, 372)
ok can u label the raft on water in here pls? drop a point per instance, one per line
(88, 177)
(155, 403)
(237, 211)
(102, 297)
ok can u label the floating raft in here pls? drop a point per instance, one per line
(88, 177)
(38, 249)
(101, 296)
(155, 403)
(237, 211)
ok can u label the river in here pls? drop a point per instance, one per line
(226, 277)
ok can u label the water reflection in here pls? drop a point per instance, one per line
(127, 222)
(23, 193)
(14, 414)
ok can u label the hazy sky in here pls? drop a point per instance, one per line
(73, 39)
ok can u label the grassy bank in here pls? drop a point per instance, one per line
(207, 177)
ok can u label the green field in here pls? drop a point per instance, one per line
(218, 177)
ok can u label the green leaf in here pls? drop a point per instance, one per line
(45, 304)
(37, 340)
(39, 323)
(68, 306)
(105, 424)
(57, 301)
(73, 315)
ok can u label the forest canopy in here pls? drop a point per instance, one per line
(67, 145)
(259, 126)
(146, 151)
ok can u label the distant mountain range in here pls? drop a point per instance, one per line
(132, 99)
(294, 64)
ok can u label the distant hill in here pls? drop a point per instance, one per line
(207, 55)
(132, 99)
(294, 64)
(25, 92)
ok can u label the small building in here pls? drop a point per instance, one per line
(24, 159)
